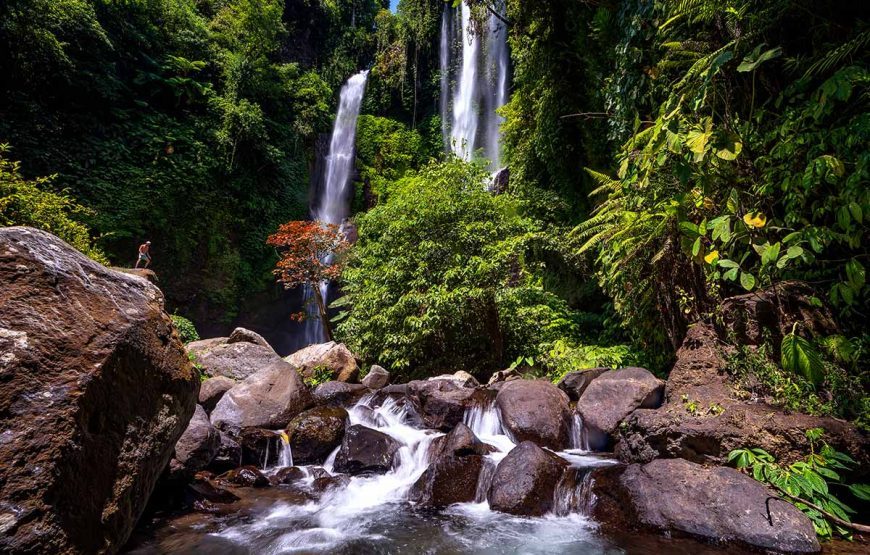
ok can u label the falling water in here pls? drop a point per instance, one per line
(285, 454)
(465, 114)
(332, 204)
(479, 85)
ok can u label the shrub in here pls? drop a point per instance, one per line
(186, 329)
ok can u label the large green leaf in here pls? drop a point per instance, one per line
(801, 357)
(757, 57)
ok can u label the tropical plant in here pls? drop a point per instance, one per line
(445, 274)
(809, 484)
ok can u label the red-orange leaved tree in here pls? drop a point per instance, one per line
(310, 254)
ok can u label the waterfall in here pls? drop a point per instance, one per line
(285, 454)
(332, 204)
(471, 97)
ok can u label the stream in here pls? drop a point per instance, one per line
(371, 514)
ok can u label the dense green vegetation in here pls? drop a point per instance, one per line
(663, 156)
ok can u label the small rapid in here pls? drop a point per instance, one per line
(372, 513)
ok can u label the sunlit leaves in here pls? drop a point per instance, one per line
(801, 357)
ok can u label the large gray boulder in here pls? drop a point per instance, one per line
(196, 447)
(614, 395)
(212, 390)
(339, 394)
(716, 504)
(233, 360)
(268, 399)
(377, 378)
(575, 383)
(333, 357)
(365, 451)
(242, 335)
(525, 481)
(536, 410)
(95, 390)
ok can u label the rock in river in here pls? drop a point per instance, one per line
(612, 396)
(268, 399)
(315, 433)
(525, 481)
(331, 357)
(96, 390)
(716, 504)
(536, 410)
(364, 450)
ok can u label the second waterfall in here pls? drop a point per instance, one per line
(331, 203)
(474, 81)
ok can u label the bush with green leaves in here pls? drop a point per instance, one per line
(33, 203)
(186, 330)
(814, 485)
(445, 276)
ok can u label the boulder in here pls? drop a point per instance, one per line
(442, 403)
(316, 433)
(706, 436)
(377, 378)
(96, 390)
(339, 393)
(268, 399)
(237, 361)
(326, 483)
(716, 504)
(333, 357)
(461, 442)
(211, 391)
(461, 377)
(197, 446)
(196, 347)
(228, 455)
(288, 475)
(769, 314)
(504, 376)
(536, 410)
(203, 489)
(242, 335)
(525, 481)
(575, 383)
(246, 476)
(364, 450)
(447, 481)
(613, 396)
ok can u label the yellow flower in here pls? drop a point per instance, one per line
(756, 220)
(712, 257)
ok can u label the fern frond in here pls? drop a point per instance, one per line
(838, 56)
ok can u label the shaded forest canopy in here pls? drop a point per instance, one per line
(663, 156)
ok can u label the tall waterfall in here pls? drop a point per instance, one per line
(472, 92)
(331, 205)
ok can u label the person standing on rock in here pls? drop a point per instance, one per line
(144, 254)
